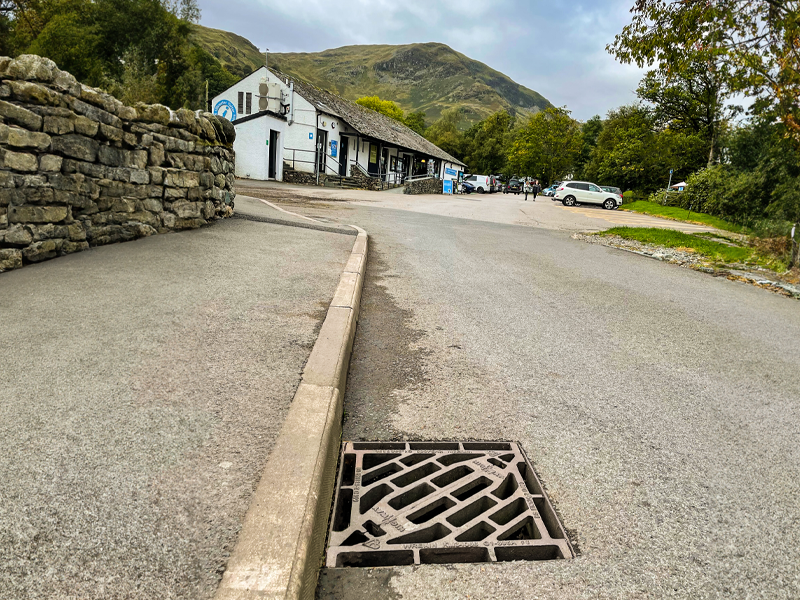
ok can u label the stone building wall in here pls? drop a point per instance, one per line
(79, 169)
(424, 186)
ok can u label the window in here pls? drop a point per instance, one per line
(249, 103)
(241, 103)
(471, 178)
(583, 186)
(574, 186)
(594, 188)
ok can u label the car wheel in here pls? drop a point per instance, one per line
(609, 204)
(480, 190)
(569, 201)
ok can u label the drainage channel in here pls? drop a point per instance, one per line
(406, 503)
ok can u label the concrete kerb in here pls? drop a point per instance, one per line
(281, 544)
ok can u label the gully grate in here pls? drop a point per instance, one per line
(411, 503)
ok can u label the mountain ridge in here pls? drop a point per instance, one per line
(430, 76)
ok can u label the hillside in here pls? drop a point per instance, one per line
(430, 77)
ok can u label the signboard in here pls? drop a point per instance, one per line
(373, 154)
(450, 172)
(226, 110)
(311, 135)
(447, 188)
(333, 148)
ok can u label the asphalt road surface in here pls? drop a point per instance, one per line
(659, 405)
(142, 388)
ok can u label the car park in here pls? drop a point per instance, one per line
(550, 191)
(572, 193)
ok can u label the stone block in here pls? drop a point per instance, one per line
(17, 235)
(37, 214)
(50, 163)
(11, 196)
(157, 155)
(187, 210)
(20, 116)
(4, 129)
(58, 125)
(219, 181)
(86, 126)
(145, 217)
(206, 180)
(68, 247)
(140, 177)
(20, 161)
(169, 220)
(10, 259)
(42, 232)
(38, 195)
(209, 210)
(156, 175)
(180, 178)
(153, 113)
(127, 113)
(76, 146)
(6, 179)
(74, 232)
(173, 193)
(153, 205)
(189, 223)
(129, 139)
(96, 114)
(22, 138)
(126, 205)
(112, 134)
(5, 91)
(31, 66)
(34, 93)
(45, 250)
(216, 165)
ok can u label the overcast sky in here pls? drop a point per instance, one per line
(556, 48)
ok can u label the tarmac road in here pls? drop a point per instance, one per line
(142, 388)
(659, 406)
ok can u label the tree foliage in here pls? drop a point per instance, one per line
(546, 146)
(137, 49)
(385, 107)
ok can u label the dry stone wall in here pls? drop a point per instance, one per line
(79, 169)
(424, 186)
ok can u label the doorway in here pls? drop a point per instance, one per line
(343, 156)
(272, 171)
(322, 151)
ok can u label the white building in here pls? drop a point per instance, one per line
(326, 134)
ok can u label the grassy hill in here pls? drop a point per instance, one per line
(430, 77)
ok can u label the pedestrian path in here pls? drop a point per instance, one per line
(632, 219)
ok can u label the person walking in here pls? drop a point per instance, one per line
(535, 189)
(526, 187)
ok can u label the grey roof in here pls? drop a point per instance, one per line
(366, 121)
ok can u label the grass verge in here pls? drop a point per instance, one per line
(714, 251)
(680, 214)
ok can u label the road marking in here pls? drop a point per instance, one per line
(288, 212)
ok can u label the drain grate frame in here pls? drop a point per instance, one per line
(411, 503)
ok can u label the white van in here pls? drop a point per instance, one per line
(583, 192)
(483, 183)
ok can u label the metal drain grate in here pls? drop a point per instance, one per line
(440, 502)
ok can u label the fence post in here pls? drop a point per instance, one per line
(794, 256)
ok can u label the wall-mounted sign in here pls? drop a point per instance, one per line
(447, 186)
(324, 124)
(373, 154)
(311, 135)
(226, 110)
(450, 172)
(333, 148)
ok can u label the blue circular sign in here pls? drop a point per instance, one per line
(226, 109)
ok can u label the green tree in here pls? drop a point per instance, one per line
(752, 47)
(385, 107)
(446, 134)
(590, 131)
(488, 143)
(416, 121)
(546, 146)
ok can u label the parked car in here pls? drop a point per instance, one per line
(611, 189)
(484, 184)
(572, 193)
(467, 188)
(550, 191)
(514, 187)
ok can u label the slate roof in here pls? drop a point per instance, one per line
(366, 121)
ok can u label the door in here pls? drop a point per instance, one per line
(322, 151)
(596, 195)
(343, 156)
(373, 159)
(272, 171)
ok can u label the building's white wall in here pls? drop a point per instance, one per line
(252, 151)
(301, 137)
(248, 84)
(452, 166)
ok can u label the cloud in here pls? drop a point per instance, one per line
(556, 48)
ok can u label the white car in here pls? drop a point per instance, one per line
(482, 183)
(571, 193)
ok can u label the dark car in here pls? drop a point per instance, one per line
(513, 187)
(611, 190)
(467, 188)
